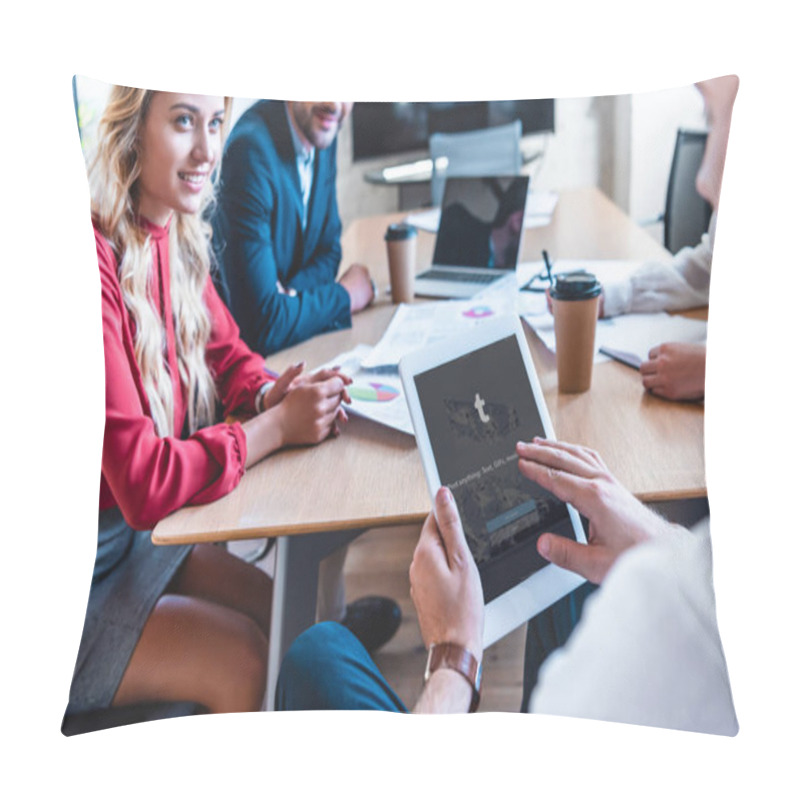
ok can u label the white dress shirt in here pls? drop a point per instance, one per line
(672, 285)
(647, 650)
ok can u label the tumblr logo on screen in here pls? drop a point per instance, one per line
(492, 420)
(479, 404)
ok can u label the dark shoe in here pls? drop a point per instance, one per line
(373, 620)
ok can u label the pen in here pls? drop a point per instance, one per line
(549, 267)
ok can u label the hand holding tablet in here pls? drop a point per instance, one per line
(445, 586)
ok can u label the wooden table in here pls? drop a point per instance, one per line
(372, 476)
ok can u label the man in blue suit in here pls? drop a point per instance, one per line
(276, 237)
(277, 226)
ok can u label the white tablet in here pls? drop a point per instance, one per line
(471, 399)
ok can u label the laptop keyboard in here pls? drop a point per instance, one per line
(462, 277)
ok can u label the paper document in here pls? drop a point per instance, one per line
(425, 220)
(376, 395)
(538, 212)
(629, 337)
(415, 326)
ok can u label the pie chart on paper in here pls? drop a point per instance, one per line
(373, 392)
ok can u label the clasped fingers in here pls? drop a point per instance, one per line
(322, 375)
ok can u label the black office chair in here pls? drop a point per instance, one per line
(686, 215)
(100, 719)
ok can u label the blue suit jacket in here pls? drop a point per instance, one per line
(259, 239)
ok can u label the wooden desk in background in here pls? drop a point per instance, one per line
(371, 476)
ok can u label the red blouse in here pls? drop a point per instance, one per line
(145, 475)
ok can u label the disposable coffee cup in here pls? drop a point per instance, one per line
(401, 249)
(575, 297)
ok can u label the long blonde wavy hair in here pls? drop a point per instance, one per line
(113, 180)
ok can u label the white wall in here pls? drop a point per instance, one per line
(654, 120)
(574, 154)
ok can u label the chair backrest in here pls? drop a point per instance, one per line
(687, 214)
(488, 151)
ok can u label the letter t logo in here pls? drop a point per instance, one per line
(479, 404)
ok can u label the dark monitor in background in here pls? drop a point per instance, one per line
(385, 129)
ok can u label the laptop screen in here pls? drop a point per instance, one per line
(481, 222)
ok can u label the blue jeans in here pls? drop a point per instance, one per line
(327, 668)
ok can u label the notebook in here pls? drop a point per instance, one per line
(479, 238)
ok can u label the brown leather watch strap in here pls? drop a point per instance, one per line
(453, 656)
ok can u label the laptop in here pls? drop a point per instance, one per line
(471, 399)
(479, 237)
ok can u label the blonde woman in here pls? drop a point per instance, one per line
(176, 623)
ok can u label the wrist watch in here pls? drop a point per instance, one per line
(459, 659)
(374, 291)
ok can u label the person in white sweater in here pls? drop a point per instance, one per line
(675, 370)
(647, 650)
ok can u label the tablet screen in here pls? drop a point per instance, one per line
(476, 408)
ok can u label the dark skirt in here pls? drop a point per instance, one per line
(130, 574)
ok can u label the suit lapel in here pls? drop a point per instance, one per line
(278, 124)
